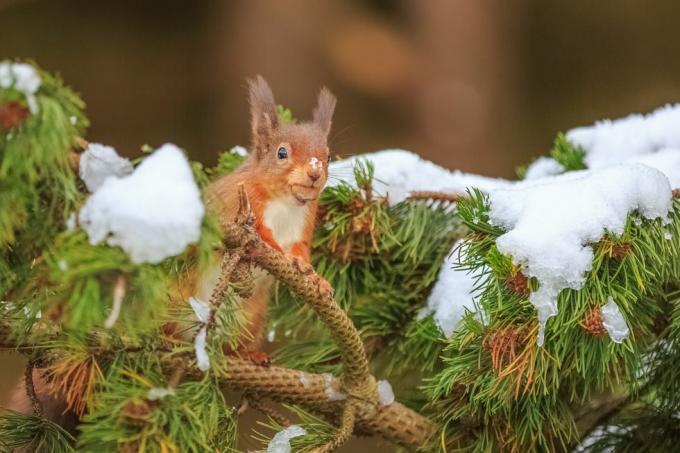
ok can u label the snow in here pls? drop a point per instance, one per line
(23, 78)
(71, 222)
(280, 443)
(543, 166)
(239, 151)
(100, 162)
(304, 379)
(609, 142)
(550, 223)
(595, 435)
(614, 322)
(153, 213)
(451, 295)
(202, 358)
(158, 393)
(332, 393)
(201, 309)
(202, 312)
(399, 172)
(271, 335)
(666, 161)
(385, 393)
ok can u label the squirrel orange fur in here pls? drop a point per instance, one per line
(283, 178)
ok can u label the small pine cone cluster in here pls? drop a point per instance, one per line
(518, 283)
(620, 250)
(592, 321)
(12, 114)
(136, 411)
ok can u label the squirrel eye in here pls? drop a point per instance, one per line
(282, 153)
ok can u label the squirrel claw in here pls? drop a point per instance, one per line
(257, 357)
(325, 288)
(302, 265)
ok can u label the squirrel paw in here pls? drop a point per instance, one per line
(302, 265)
(325, 288)
(257, 357)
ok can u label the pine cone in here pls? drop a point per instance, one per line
(12, 114)
(592, 321)
(518, 284)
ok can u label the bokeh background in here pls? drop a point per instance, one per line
(481, 85)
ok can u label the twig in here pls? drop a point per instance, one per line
(30, 389)
(345, 430)
(431, 195)
(270, 412)
(395, 422)
(118, 296)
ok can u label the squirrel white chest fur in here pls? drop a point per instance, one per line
(286, 220)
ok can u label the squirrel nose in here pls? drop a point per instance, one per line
(314, 175)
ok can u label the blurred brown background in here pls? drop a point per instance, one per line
(478, 85)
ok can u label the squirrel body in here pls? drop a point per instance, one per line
(283, 178)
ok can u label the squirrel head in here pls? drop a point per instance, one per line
(294, 157)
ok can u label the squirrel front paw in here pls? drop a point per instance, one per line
(303, 266)
(325, 288)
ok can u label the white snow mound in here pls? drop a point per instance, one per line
(100, 162)
(399, 172)
(551, 222)
(451, 295)
(23, 78)
(542, 167)
(152, 214)
(609, 142)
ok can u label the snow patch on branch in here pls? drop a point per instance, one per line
(609, 142)
(100, 162)
(550, 223)
(280, 443)
(614, 322)
(202, 312)
(153, 213)
(385, 393)
(331, 390)
(452, 295)
(23, 78)
(158, 393)
(202, 358)
(542, 167)
(399, 172)
(201, 309)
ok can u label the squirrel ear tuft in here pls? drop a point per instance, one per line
(263, 113)
(323, 113)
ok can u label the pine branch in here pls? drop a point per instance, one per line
(395, 422)
(431, 195)
(30, 389)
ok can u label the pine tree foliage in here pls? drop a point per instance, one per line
(487, 387)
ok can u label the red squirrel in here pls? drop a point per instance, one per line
(283, 177)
